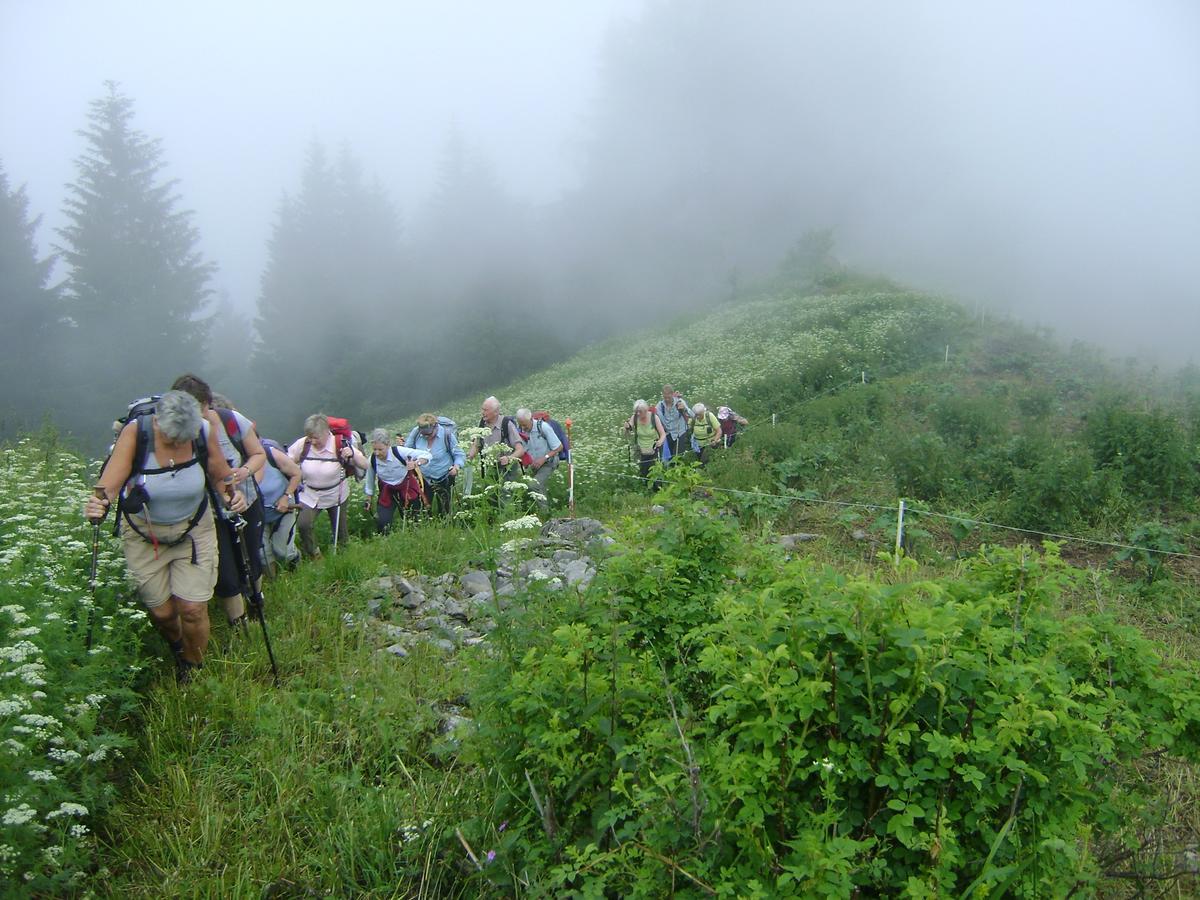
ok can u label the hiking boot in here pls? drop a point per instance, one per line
(185, 671)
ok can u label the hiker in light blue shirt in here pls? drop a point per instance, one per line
(676, 418)
(390, 465)
(543, 447)
(446, 458)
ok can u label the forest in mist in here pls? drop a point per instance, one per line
(994, 155)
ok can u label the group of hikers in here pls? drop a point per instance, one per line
(205, 505)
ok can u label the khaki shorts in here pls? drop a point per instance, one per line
(171, 571)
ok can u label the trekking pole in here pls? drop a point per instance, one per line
(337, 515)
(570, 470)
(250, 590)
(100, 495)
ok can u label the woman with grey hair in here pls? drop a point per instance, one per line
(163, 468)
(648, 434)
(323, 481)
(392, 465)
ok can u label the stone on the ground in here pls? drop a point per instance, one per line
(402, 585)
(475, 581)
(414, 599)
(397, 650)
(578, 572)
(789, 541)
(578, 531)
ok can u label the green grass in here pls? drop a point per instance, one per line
(238, 788)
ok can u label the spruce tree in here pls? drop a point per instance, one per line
(137, 285)
(327, 305)
(27, 340)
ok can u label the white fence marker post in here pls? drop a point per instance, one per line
(899, 531)
(864, 376)
(772, 420)
(947, 354)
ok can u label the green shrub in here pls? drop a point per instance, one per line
(1147, 447)
(840, 736)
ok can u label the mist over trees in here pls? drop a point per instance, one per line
(717, 137)
(136, 285)
(30, 316)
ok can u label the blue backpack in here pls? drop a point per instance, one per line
(561, 433)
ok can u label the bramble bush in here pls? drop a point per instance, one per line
(834, 734)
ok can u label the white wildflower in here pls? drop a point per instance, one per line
(521, 523)
(41, 775)
(68, 809)
(19, 815)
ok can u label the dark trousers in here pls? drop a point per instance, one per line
(645, 464)
(229, 580)
(443, 493)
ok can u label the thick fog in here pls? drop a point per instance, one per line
(591, 165)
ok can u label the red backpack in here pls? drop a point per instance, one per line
(343, 437)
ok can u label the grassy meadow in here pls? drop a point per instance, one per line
(983, 714)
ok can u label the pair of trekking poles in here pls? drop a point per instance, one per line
(251, 591)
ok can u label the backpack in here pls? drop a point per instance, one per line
(505, 421)
(564, 452)
(343, 437)
(133, 500)
(449, 428)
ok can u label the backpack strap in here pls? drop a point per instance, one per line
(233, 429)
(396, 453)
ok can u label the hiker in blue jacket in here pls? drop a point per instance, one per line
(676, 418)
(446, 459)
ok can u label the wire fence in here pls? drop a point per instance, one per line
(966, 520)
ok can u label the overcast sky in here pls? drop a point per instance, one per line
(1041, 157)
(236, 90)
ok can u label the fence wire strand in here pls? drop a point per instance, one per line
(967, 520)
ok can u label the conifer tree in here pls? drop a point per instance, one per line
(27, 305)
(137, 285)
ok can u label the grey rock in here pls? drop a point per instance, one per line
(474, 640)
(486, 625)
(453, 722)
(348, 620)
(658, 509)
(537, 564)
(473, 581)
(578, 531)
(578, 572)
(375, 607)
(562, 557)
(454, 609)
(382, 586)
(444, 580)
(414, 599)
(443, 644)
(789, 541)
(396, 633)
(858, 534)
(397, 650)
(505, 589)
(402, 585)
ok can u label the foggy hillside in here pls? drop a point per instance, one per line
(382, 207)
